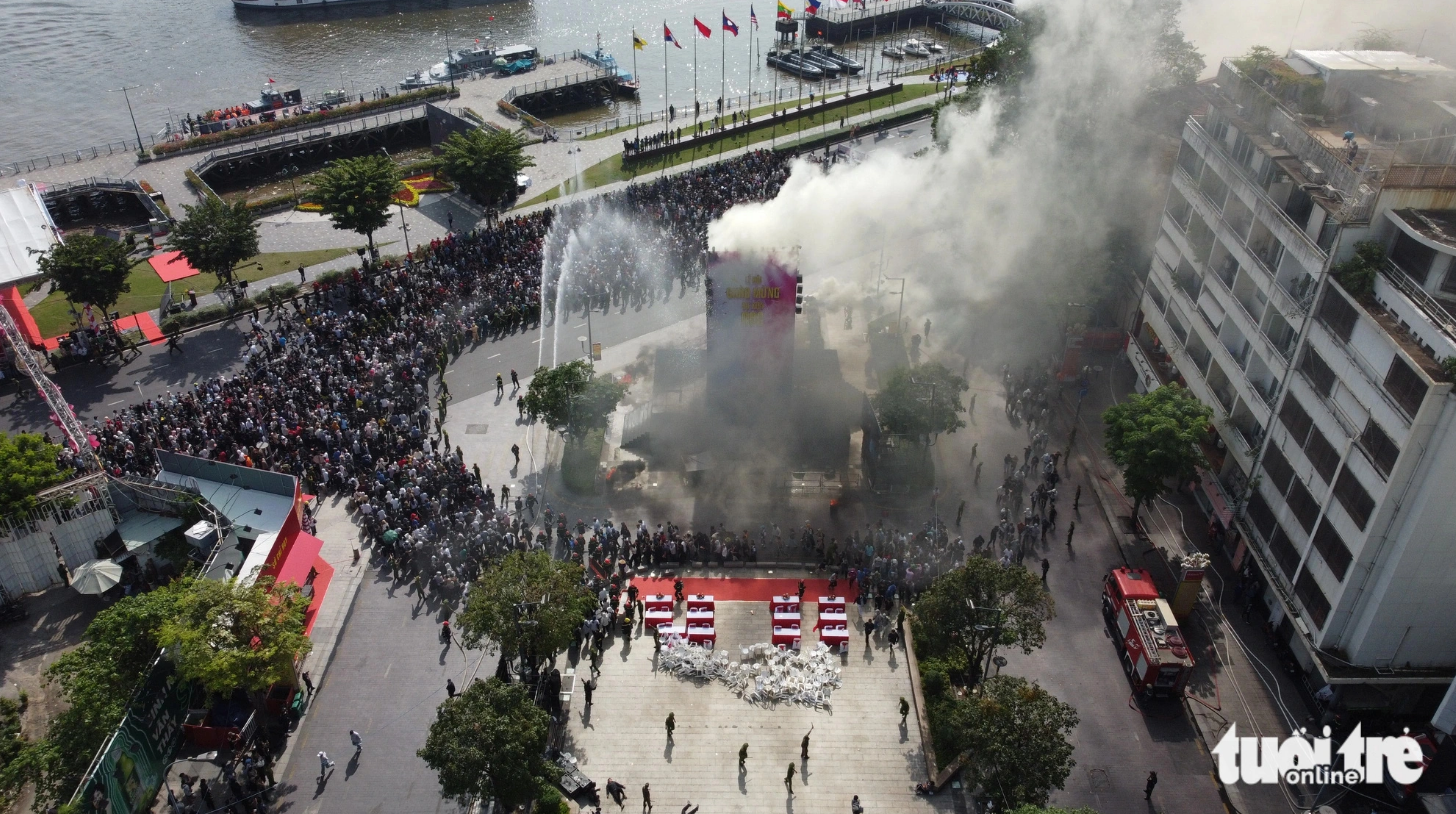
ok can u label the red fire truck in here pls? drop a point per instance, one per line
(1153, 652)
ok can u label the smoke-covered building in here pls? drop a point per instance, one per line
(1334, 413)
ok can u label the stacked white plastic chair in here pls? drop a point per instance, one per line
(763, 675)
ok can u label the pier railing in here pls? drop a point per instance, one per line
(558, 82)
(303, 136)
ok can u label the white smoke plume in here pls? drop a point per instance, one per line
(1009, 204)
(992, 231)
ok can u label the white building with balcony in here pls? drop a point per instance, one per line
(1335, 419)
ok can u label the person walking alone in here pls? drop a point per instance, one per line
(743, 757)
(450, 688)
(324, 764)
(804, 745)
(646, 798)
(1046, 565)
(1071, 528)
(789, 779)
(356, 739)
(1152, 783)
(586, 691)
(671, 725)
(904, 709)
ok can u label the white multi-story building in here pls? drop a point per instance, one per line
(1335, 443)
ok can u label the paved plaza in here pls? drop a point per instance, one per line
(858, 746)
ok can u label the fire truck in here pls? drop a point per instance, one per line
(1152, 649)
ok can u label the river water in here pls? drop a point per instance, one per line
(61, 57)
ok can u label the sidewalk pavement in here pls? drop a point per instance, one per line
(1232, 653)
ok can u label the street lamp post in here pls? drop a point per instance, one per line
(125, 95)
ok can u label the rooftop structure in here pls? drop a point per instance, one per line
(26, 232)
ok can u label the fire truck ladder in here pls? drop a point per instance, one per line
(60, 410)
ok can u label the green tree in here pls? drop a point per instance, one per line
(88, 269)
(489, 741)
(1154, 437)
(569, 400)
(225, 635)
(527, 603)
(978, 607)
(96, 679)
(1015, 734)
(1357, 274)
(216, 236)
(356, 193)
(27, 466)
(1177, 62)
(921, 400)
(485, 163)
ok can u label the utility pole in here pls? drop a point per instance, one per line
(125, 95)
(404, 227)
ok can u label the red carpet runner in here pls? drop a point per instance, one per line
(737, 589)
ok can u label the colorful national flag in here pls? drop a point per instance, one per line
(812, 6)
(637, 42)
(729, 26)
(752, 18)
(785, 12)
(668, 37)
(703, 29)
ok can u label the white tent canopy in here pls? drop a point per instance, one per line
(25, 225)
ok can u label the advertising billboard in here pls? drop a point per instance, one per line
(751, 298)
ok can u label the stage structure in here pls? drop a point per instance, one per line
(752, 299)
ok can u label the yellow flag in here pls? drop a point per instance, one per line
(638, 42)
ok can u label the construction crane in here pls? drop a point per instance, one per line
(25, 358)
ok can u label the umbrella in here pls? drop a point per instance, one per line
(96, 577)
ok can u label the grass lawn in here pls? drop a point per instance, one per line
(763, 110)
(53, 317)
(610, 170)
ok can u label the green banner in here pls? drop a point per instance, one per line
(126, 778)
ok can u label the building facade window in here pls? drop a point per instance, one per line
(1312, 598)
(1405, 386)
(1320, 376)
(1320, 453)
(1305, 508)
(1352, 495)
(1382, 450)
(1282, 550)
(1261, 515)
(1337, 314)
(1278, 468)
(1294, 418)
(1413, 257)
(1336, 554)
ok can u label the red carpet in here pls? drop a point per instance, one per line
(171, 266)
(140, 322)
(737, 589)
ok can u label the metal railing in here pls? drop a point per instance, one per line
(1433, 309)
(304, 136)
(593, 75)
(855, 13)
(125, 147)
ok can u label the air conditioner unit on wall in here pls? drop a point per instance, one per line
(1314, 173)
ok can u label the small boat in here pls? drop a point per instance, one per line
(846, 64)
(789, 62)
(916, 49)
(893, 52)
(830, 68)
(935, 47)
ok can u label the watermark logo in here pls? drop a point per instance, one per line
(1305, 760)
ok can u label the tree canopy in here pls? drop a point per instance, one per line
(489, 741)
(1176, 62)
(1357, 274)
(97, 680)
(1008, 603)
(27, 466)
(1015, 733)
(356, 193)
(216, 236)
(528, 603)
(569, 400)
(1153, 438)
(225, 635)
(485, 163)
(921, 400)
(88, 269)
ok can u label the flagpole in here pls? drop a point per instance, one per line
(697, 35)
(666, 124)
(722, 76)
(752, 41)
(636, 77)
